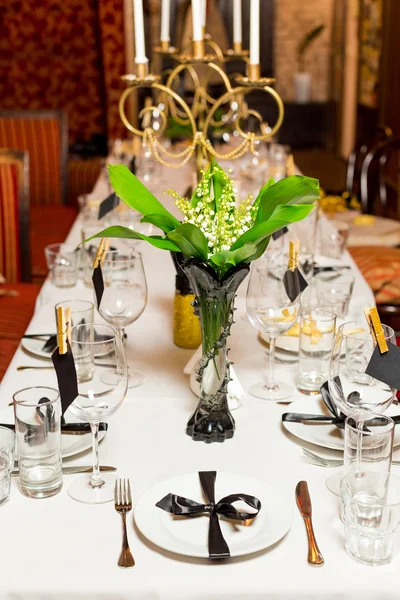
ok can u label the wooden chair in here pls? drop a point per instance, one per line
(17, 300)
(44, 135)
(15, 264)
(379, 176)
(358, 155)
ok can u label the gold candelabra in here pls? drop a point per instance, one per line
(202, 114)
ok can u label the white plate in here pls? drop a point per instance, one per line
(189, 536)
(35, 347)
(70, 444)
(327, 436)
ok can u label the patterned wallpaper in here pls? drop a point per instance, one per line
(51, 56)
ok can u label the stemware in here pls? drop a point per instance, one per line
(96, 400)
(270, 311)
(124, 299)
(351, 389)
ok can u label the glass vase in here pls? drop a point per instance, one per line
(212, 420)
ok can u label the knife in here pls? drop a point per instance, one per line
(325, 420)
(76, 469)
(304, 504)
(68, 428)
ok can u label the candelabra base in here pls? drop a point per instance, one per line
(255, 83)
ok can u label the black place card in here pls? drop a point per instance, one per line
(98, 284)
(386, 367)
(51, 344)
(108, 205)
(64, 365)
(280, 233)
(294, 283)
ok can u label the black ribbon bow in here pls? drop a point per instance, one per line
(180, 506)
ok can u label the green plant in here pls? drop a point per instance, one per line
(213, 229)
(305, 43)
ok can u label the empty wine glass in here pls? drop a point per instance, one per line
(270, 311)
(351, 389)
(124, 299)
(96, 400)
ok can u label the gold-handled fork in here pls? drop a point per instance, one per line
(123, 504)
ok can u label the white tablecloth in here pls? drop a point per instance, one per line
(58, 548)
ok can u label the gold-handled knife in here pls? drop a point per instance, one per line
(304, 503)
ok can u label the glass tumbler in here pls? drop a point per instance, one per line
(335, 293)
(317, 335)
(38, 429)
(7, 451)
(62, 262)
(370, 504)
(82, 311)
(368, 446)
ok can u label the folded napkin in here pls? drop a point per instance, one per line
(184, 507)
(236, 391)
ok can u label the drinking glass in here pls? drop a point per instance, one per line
(317, 333)
(124, 299)
(368, 446)
(96, 400)
(370, 504)
(7, 451)
(38, 429)
(336, 239)
(82, 311)
(335, 293)
(352, 391)
(270, 311)
(62, 262)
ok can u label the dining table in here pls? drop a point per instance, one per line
(60, 548)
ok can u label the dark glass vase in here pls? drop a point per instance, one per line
(212, 420)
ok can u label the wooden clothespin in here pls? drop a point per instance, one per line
(101, 253)
(294, 249)
(375, 325)
(68, 322)
(61, 331)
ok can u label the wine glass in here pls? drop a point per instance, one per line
(94, 346)
(270, 311)
(124, 299)
(351, 389)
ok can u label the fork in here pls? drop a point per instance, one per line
(320, 461)
(123, 504)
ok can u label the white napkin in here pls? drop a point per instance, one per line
(236, 392)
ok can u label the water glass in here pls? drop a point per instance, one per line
(335, 293)
(336, 241)
(317, 334)
(82, 311)
(38, 429)
(62, 262)
(370, 503)
(368, 443)
(368, 446)
(7, 451)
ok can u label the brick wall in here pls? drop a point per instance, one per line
(293, 19)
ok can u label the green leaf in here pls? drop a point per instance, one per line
(117, 231)
(132, 191)
(234, 257)
(196, 199)
(291, 190)
(164, 222)
(190, 240)
(218, 182)
(309, 37)
(282, 216)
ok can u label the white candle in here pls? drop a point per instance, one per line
(197, 18)
(237, 21)
(140, 50)
(203, 12)
(255, 32)
(165, 9)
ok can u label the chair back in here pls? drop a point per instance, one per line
(43, 134)
(14, 216)
(379, 179)
(357, 157)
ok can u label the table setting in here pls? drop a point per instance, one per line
(145, 442)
